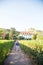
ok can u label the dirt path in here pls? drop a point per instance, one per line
(17, 57)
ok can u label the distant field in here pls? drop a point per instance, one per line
(5, 47)
(33, 48)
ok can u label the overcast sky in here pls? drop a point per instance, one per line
(21, 14)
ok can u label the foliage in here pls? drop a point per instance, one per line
(7, 36)
(1, 31)
(4, 34)
(21, 38)
(40, 37)
(34, 36)
(12, 31)
(5, 47)
(8, 33)
(33, 48)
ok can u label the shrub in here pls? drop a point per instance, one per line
(5, 47)
(33, 48)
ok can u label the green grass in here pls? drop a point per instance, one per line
(5, 48)
(33, 48)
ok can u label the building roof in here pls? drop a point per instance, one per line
(27, 32)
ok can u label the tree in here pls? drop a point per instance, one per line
(1, 31)
(7, 36)
(11, 33)
(40, 37)
(4, 34)
(34, 36)
(21, 38)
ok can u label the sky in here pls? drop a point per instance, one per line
(21, 14)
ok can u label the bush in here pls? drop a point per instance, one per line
(0, 38)
(5, 47)
(33, 48)
(40, 37)
(34, 36)
(21, 38)
(40, 59)
(7, 36)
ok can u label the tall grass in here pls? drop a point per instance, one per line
(5, 47)
(33, 48)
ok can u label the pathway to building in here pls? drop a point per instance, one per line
(17, 57)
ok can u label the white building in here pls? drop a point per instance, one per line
(26, 35)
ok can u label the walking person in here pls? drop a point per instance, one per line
(16, 45)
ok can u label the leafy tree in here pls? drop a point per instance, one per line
(7, 36)
(39, 37)
(21, 38)
(4, 34)
(1, 33)
(8, 33)
(34, 36)
(11, 33)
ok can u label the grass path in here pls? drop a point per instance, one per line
(17, 57)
